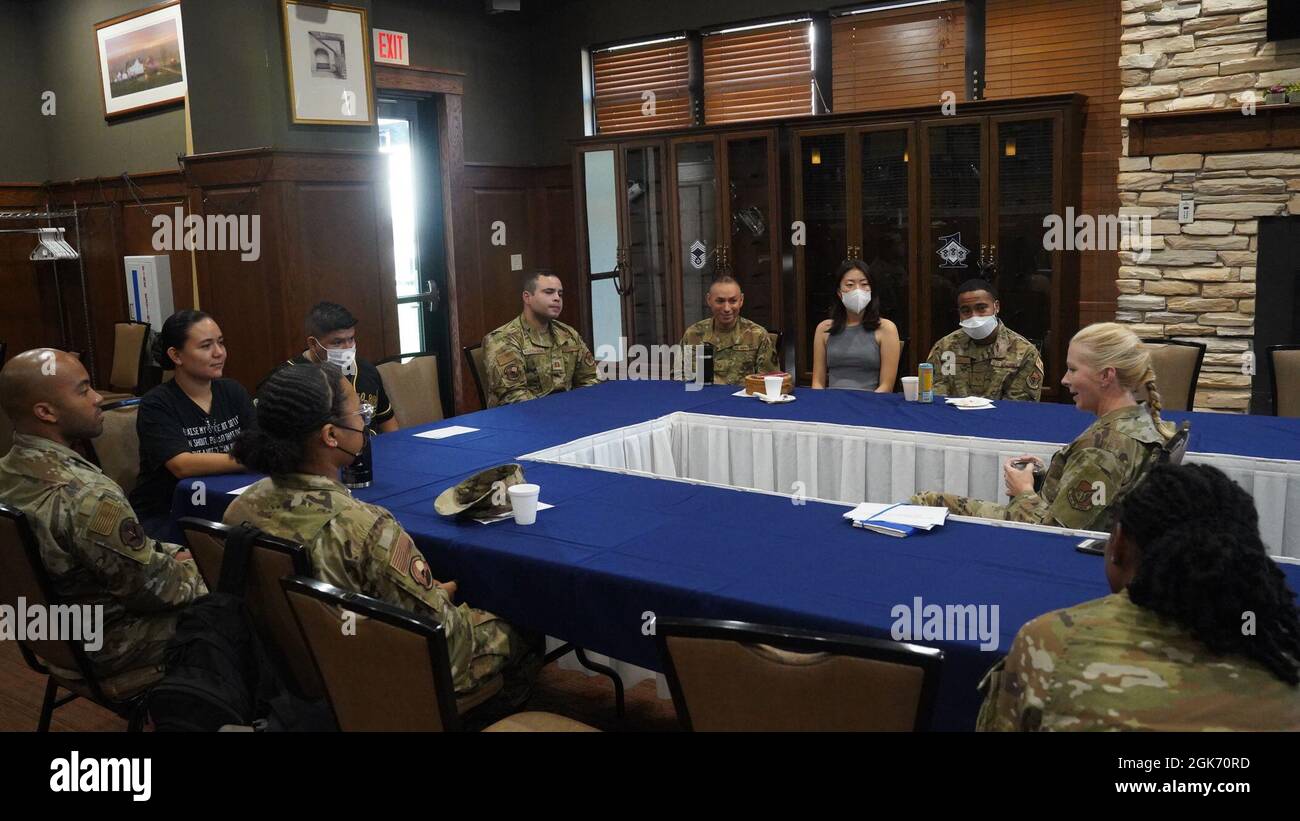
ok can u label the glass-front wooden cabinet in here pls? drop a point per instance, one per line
(727, 220)
(950, 198)
(924, 201)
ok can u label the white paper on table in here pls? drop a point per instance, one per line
(443, 433)
(970, 402)
(740, 392)
(540, 507)
(239, 490)
(919, 516)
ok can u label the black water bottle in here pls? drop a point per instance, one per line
(706, 363)
(361, 472)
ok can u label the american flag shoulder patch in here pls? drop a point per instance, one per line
(400, 559)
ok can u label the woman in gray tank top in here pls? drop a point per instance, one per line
(856, 348)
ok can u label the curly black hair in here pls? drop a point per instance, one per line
(1202, 564)
(292, 404)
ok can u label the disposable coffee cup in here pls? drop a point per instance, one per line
(523, 501)
(911, 386)
(772, 386)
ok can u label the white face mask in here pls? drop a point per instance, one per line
(978, 327)
(856, 300)
(345, 358)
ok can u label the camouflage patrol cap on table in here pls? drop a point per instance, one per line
(473, 497)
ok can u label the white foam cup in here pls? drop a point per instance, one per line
(523, 501)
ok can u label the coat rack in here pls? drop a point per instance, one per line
(52, 247)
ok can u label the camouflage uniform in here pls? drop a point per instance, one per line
(1005, 367)
(362, 548)
(523, 364)
(96, 552)
(744, 350)
(1084, 480)
(1109, 664)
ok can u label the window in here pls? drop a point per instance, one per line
(758, 72)
(621, 76)
(898, 57)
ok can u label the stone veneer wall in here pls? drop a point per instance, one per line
(1199, 283)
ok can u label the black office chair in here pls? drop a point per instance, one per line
(730, 675)
(474, 356)
(63, 661)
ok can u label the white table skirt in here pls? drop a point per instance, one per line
(848, 464)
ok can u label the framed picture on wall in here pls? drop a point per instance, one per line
(327, 49)
(142, 60)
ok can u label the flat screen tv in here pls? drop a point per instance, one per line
(1283, 19)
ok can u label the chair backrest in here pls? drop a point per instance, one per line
(1178, 367)
(474, 356)
(389, 670)
(1284, 365)
(412, 387)
(776, 337)
(272, 559)
(117, 449)
(6, 433)
(735, 676)
(128, 354)
(23, 576)
(1176, 448)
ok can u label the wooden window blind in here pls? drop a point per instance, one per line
(621, 76)
(1058, 46)
(758, 73)
(897, 58)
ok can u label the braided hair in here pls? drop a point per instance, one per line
(1203, 565)
(292, 404)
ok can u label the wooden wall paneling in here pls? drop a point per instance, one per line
(462, 286)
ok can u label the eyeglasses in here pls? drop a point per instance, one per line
(366, 413)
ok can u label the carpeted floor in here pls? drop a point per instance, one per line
(586, 698)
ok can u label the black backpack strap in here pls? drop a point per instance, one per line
(235, 558)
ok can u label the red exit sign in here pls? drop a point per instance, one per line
(391, 47)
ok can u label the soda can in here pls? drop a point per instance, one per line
(925, 380)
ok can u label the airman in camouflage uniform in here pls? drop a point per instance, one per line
(1084, 479)
(523, 363)
(535, 354)
(362, 548)
(740, 351)
(91, 543)
(1004, 366)
(1109, 664)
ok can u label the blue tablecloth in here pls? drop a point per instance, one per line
(616, 548)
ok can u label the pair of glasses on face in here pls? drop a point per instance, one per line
(366, 413)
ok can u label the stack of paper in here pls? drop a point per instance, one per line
(969, 402)
(896, 520)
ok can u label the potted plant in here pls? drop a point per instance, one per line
(1276, 95)
(1293, 94)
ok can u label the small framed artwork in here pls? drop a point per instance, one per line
(327, 49)
(142, 60)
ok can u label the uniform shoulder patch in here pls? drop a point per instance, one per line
(1035, 379)
(131, 534)
(104, 516)
(1080, 496)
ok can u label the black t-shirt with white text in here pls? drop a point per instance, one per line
(169, 424)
